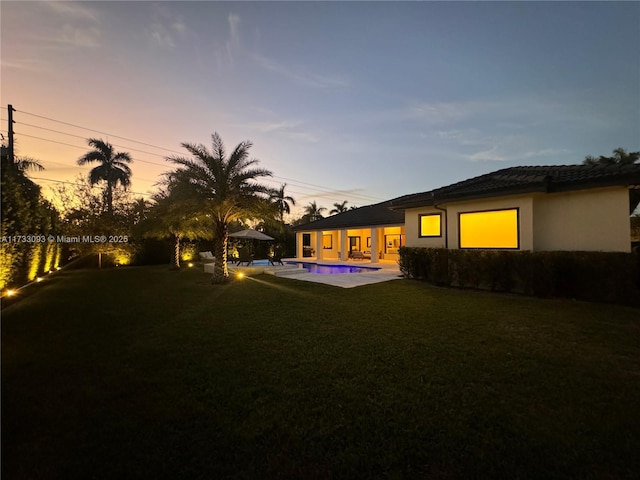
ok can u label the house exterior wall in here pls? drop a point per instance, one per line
(450, 235)
(589, 220)
(412, 227)
(594, 219)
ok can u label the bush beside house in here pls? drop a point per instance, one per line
(594, 276)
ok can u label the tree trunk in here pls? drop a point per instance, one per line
(109, 197)
(220, 271)
(175, 258)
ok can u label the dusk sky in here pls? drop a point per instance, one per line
(354, 101)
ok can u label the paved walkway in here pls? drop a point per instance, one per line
(348, 280)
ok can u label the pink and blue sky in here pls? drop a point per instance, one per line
(357, 101)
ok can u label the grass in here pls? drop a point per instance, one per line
(147, 373)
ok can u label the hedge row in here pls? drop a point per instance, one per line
(594, 276)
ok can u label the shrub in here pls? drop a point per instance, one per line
(595, 276)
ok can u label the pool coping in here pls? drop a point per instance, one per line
(385, 272)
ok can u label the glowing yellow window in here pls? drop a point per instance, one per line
(491, 229)
(430, 225)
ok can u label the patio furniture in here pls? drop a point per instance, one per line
(206, 257)
(276, 258)
(244, 257)
(356, 255)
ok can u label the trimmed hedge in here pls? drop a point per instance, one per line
(594, 276)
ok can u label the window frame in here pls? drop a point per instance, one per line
(517, 247)
(438, 214)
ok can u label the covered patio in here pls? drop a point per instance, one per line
(366, 235)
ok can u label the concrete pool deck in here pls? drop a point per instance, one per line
(388, 271)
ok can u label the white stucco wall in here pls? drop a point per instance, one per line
(590, 220)
(523, 202)
(412, 227)
(594, 219)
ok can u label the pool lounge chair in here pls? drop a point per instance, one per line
(356, 255)
(276, 258)
(244, 257)
(206, 257)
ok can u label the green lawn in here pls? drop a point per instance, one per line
(147, 373)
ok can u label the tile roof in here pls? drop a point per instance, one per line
(514, 180)
(369, 216)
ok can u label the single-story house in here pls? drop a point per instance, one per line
(566, 207)
(374, 232)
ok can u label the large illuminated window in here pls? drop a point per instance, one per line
(327, 241)
(430, 225)
(489, 229)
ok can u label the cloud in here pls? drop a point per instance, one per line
(234, 30)
(85, 37)
(77, 27)
(300, 76)
(166, 28)
(73, 9)
(507, 151)
(285, 129)
(28, 65)
(226, 53)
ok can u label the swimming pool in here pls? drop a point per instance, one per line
(332, 269)
(260, 262)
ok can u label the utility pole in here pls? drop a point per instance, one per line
(10, 130)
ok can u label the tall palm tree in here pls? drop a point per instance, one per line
(282, 202)
(113, 168)
(620, 157)
(313, 212)
(339, 208)
(226, 187)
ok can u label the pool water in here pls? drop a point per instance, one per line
(332, 269)
(260, 262)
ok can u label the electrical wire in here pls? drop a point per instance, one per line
(321, 190)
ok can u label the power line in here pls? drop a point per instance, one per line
(84, 138)
(98, 131)
(84, 148)
(72, 183)
(266, 179)
(321, 189)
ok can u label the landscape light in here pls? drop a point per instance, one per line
(38, 279)
(10, 292)
(190, 264)
(58, 268)
(241, 275)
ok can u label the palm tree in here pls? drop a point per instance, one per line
(177, 216)
(139, 210)
(113, 168)
(620, 157)
(313, 212)
(339, 208)
(225, 187)
(282, 202)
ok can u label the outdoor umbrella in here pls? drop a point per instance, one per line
(251, 234)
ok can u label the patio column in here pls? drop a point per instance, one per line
(299, 248)
(319, 245)
(374, 245)
(344, 247)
